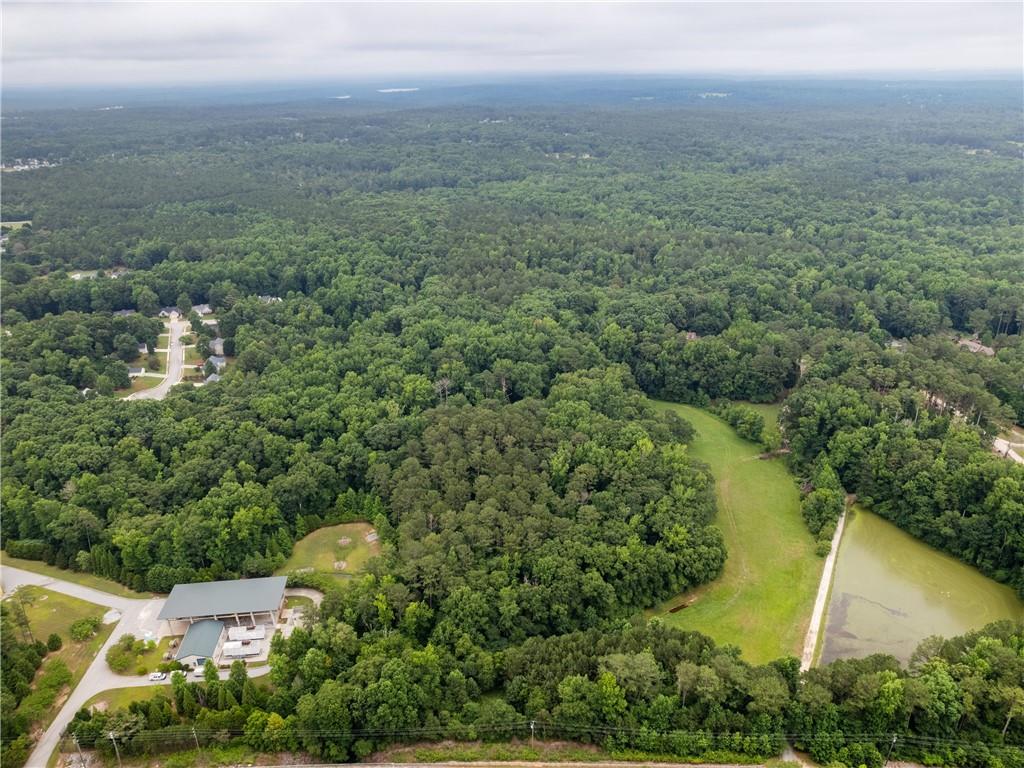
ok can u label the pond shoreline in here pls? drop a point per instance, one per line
(821, 601)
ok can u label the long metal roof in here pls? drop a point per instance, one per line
(223, 598)
(201, 639)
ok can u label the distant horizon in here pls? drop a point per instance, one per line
(399, 82)
(146, 44)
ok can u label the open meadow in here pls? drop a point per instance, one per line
(762, 601)
(326, 549)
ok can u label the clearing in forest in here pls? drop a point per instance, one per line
(762, 602)
(323, 549)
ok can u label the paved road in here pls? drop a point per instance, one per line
(138, 617)
(175, 363)
(1007, 449)
(315, 595)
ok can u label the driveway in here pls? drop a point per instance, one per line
(1007, 449)
(138, 616)
(175, 362)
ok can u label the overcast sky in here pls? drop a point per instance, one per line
(90, 43)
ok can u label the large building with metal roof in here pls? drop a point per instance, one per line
(247, 601)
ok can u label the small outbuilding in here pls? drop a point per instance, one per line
(200, 642)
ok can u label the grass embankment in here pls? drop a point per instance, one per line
(323, 551)
(762, 602)
(84, 579)
(117, 698)
(53, 613)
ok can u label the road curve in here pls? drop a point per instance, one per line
(175, 363)
(138, 616)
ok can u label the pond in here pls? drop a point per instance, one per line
(890, 591)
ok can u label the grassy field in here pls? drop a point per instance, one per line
(122, 697)
(762, 602)
(320, 550)
(139, 383)
(85, 579)
(192, 356)
(52, 612)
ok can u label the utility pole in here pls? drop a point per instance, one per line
(196, 737)
(117, 751)
(891, 745)
(81, 757)
(533, 724)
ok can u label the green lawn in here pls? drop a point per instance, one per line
(320, 550)
(192, 356)
(297, 601)
(762, 602)
(151, 658)
(122, 697)
(85, 579)
(52, 612)
(139, 383)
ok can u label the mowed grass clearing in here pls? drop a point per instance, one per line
(52, 612)
(140, 383)
(762, 602)
(117, 698)
(321, 550)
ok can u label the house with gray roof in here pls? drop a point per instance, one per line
(200, 642)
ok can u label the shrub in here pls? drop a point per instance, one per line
(28, 549)
(125, 653)
(85, 628)
(54, 643)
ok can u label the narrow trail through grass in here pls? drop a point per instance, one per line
(763, 600)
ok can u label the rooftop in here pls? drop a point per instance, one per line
(223, 598)
(201, 639)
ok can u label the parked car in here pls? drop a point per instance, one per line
(157, 676)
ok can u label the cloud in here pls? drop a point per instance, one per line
(183, 42)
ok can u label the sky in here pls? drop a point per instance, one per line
(139, 43)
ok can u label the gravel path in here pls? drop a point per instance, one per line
(821, 601)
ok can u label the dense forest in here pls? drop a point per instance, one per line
(475, 304)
